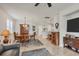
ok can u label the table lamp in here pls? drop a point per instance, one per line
(6, 34)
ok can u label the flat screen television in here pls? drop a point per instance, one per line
(73, 25)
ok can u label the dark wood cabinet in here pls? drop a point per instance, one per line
(54, 38)
(76, 43)
(24, 30)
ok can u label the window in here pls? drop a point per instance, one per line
(10, 25)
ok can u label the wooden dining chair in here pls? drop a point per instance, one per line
(15, 36)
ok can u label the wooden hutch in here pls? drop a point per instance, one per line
(24, 31)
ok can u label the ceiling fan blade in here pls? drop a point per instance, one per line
(49, 4)
(37, 4)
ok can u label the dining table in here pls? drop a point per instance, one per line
(22, 38)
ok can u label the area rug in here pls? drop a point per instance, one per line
(37, 52)
(33, 42)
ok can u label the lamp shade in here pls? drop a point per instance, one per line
(5, 32)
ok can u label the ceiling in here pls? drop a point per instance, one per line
(33, 14)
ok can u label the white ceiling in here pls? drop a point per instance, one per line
(33, 14)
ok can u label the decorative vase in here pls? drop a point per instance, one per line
(5, 40)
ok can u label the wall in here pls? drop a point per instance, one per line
(68, 13)
(71, 16)
(3, 22)
(56, 20)
(3, 18)
(50, 25)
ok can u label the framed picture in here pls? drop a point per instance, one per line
(33, 28)
(44, 29)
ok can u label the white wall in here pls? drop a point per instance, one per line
(3, 18)
(71, 16)
(68, 13)
(56, 20)
(3, 22)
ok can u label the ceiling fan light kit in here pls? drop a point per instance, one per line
(49, 4)
(37, 4)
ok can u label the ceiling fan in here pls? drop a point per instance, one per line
(49, 4)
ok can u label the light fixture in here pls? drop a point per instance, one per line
(6, 34)
(25, 25)
(25, 20)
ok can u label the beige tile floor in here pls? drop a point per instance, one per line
(54, 50)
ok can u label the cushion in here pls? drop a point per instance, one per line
(11, 52)
(13, 46)
(1, 48)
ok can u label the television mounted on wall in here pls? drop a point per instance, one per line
(73, 25)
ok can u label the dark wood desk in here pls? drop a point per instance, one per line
(71, 43)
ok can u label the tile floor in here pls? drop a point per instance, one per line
(53, 50)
